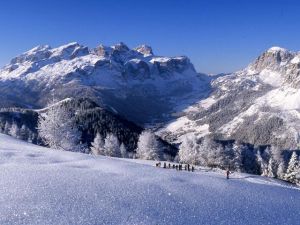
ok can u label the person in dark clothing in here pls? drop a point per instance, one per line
(169, 165)
(173, 166)
(176, 167)
(227, 173)
(188, 167)
(165, 165)
(193, 168)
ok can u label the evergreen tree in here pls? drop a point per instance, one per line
(281, 170)
(262, 163)
(207, 152)
(271, 168)
(293, 169)
(227, 157)
(188, 150)
(238, 149)
(274, 161)
(148, 147)
(112, 146)
(31, 137)
(24, 133)
(7, 127)
(131, 155)
(58, 129)
(97, 147)
(123, 150)
(14, 131)
(215, 154)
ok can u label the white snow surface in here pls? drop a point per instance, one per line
(296, 59)
(44, 186)
(276, 49)
(271, 77)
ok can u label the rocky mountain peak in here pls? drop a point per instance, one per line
(144, 49)
(121, 47)
(274, 59)
(102, 50)
(37, 53)
(70, 51)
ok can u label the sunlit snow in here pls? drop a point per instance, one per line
(43, 186)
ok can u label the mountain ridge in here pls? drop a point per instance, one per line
(113, 76)
(258, 104)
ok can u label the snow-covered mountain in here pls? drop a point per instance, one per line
(259, 104)
(133, 82)
(44, 186)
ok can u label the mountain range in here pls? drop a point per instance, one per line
(132, 82)
(258, 105)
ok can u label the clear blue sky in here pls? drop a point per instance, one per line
(217, 35)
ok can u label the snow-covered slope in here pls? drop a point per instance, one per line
(134, 82)
(258, 105)
(44, 186)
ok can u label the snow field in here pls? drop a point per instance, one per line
(43, 186)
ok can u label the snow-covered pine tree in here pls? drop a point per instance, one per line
(207, 151)
(131, 155)
(14, 131)
(293, 169)
(112, 146)
(275, 160)
(123, 150)
(97, 146)
(31, 137)
(262, 163)
(7, 127)
(213, 154)
(281, 170)
(271, 168)
(189, 150)
(148, 147)
(24, 133)
(217, 157)
(57, 128)
(227, 157)
(238, 149)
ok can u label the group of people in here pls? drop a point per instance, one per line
(186, 167)
(178, 167)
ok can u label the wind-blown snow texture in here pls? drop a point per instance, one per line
(43, 186)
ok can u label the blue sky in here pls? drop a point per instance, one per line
(217, 35)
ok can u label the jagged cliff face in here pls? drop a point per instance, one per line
(137, 84)
(258, 105)
(281, 62)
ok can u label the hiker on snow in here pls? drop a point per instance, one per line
(227, 173)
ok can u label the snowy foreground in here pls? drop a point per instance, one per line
(42, 186)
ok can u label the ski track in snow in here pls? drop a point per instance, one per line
(44, 186)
